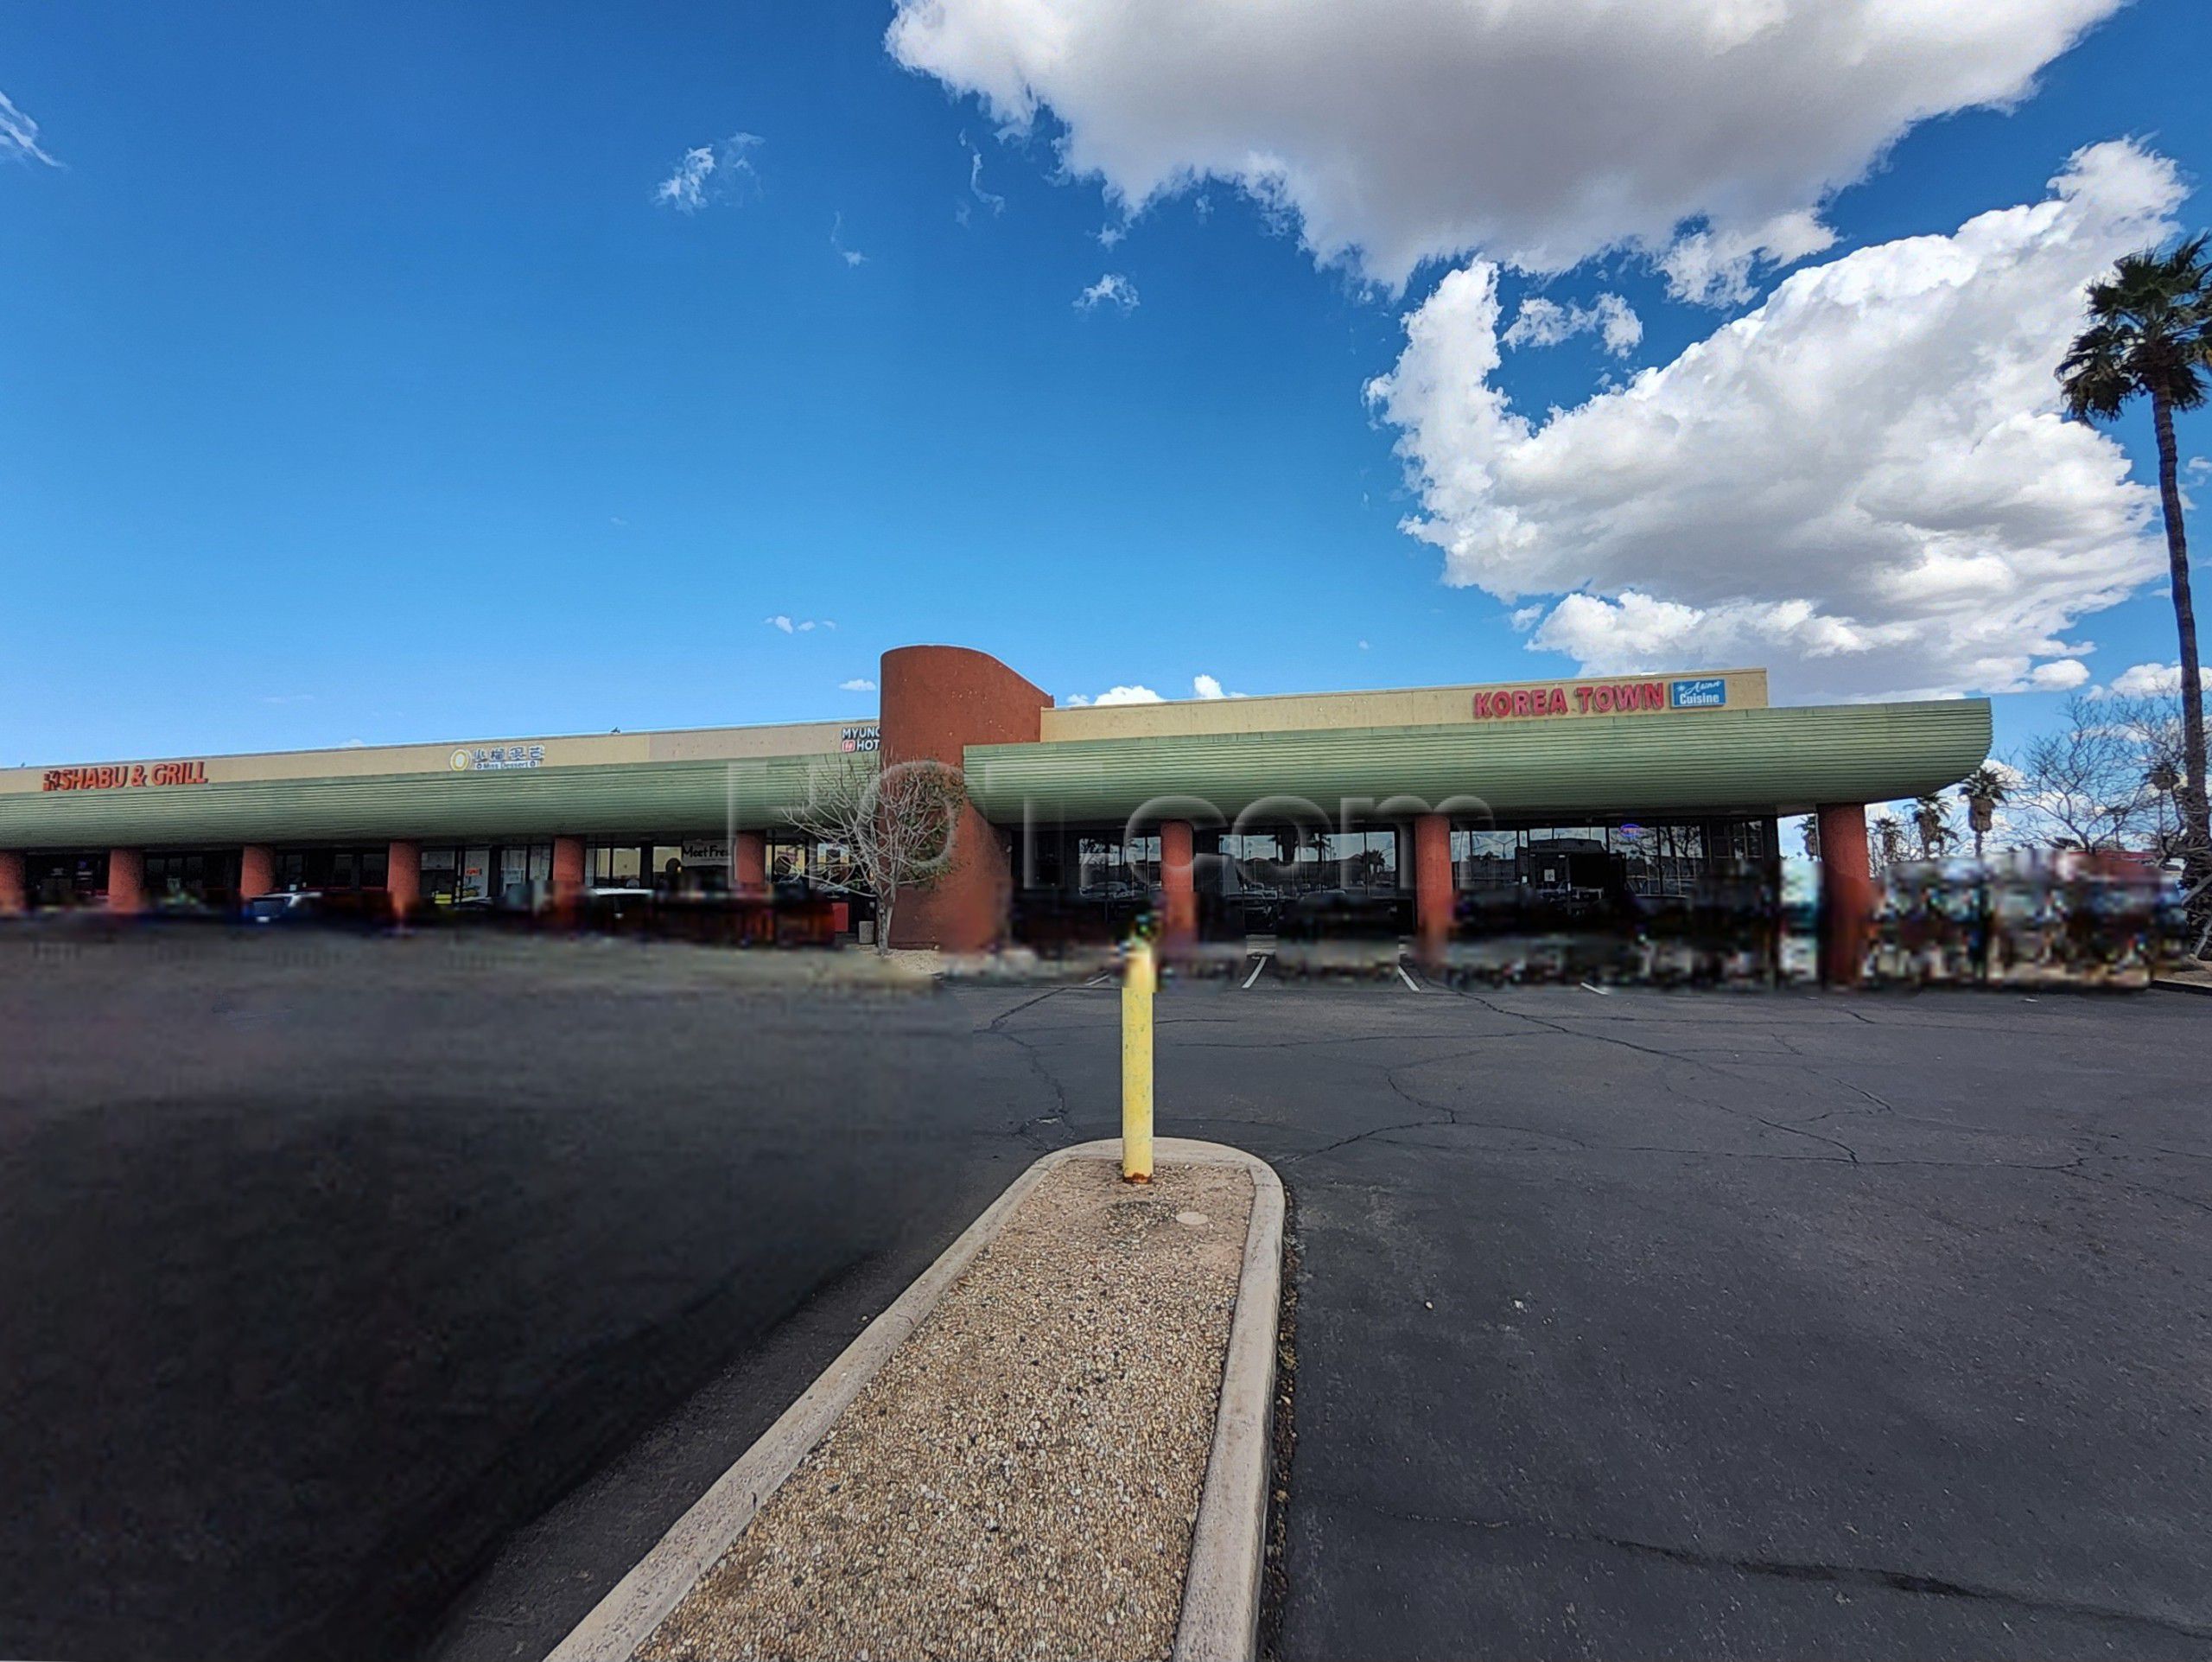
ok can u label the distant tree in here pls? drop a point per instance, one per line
(1889, 846)
(897, 825)
(1931, 822)
(1811, 833)
(2087, 785)
(2150, 335)
(1982, 791)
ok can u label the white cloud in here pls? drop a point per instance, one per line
(2149, 680)
(988, 199)
(1134, 695)
(851, 255)
(1865, 482)
(1202, 686)
(858, 683)
(1541, 322)
(19, 135)
(709, 171)
(789, 625)
(1113, 290)
(1536, 132)
(1714, 268)
(2059, 675)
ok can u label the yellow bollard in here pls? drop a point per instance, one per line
(1137, 983)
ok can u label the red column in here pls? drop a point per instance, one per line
(568, 877)
(13, 902)
(1178, 895)
(749, 862)
(256, 870)
(403, 879)
(126, 881)
(1847, 893)
(1433, 898)
(937, 701)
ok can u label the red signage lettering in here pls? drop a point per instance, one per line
(124, 776)
(1605, 698)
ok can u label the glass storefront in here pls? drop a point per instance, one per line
(1660, 860)
(1093, 883)
(333, 869)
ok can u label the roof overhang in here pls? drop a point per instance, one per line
(1780, 759)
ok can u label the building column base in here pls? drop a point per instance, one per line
(126, 881)
(568, 878)
(1847, 894)
(1434, 901)
(1179, 894)
(256, 870)
(403, 879)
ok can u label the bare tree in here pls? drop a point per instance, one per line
(2088, 785)
(2155, 726)
(898, 824)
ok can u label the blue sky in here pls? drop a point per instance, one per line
(358, 387)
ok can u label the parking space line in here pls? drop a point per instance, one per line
(1412, 985)
(1257, 968)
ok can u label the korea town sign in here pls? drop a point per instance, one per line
(124, 776)
(1603, 698)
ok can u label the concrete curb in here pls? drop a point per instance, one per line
(2167, 984)
(1221, 1592)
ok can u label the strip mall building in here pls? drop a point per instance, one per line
(1226, 814)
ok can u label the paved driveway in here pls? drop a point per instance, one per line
(376, 1296)
(332, 1263)
(1754, 1325)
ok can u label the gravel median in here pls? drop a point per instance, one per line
(1021, 1478)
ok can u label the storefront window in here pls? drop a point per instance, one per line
(1666, 860)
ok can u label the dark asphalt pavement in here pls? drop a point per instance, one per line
(1753, 1325)
(380, 1296)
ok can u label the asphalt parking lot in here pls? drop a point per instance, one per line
(396, 1302)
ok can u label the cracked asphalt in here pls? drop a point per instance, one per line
(393, 1297)
(1693, 1324)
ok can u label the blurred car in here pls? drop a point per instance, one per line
(292, 905)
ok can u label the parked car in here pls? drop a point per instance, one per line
(292, 905)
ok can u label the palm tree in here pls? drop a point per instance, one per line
(1983, 789)
(2150, 333)
(1889, 840)
(1931, 819)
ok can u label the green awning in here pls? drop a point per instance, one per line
(625, 797)
(1779, 760)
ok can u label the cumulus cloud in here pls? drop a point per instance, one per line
(2059, 675)
(1865, 482)
(2149, 681)
(1714, 268)
(19, 135)
(708, 172)
(858, 683)
(1134, 695)
(1536, 133)
(787, 624)
(1202, 686)
(1541, 322)
(1112, 290)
